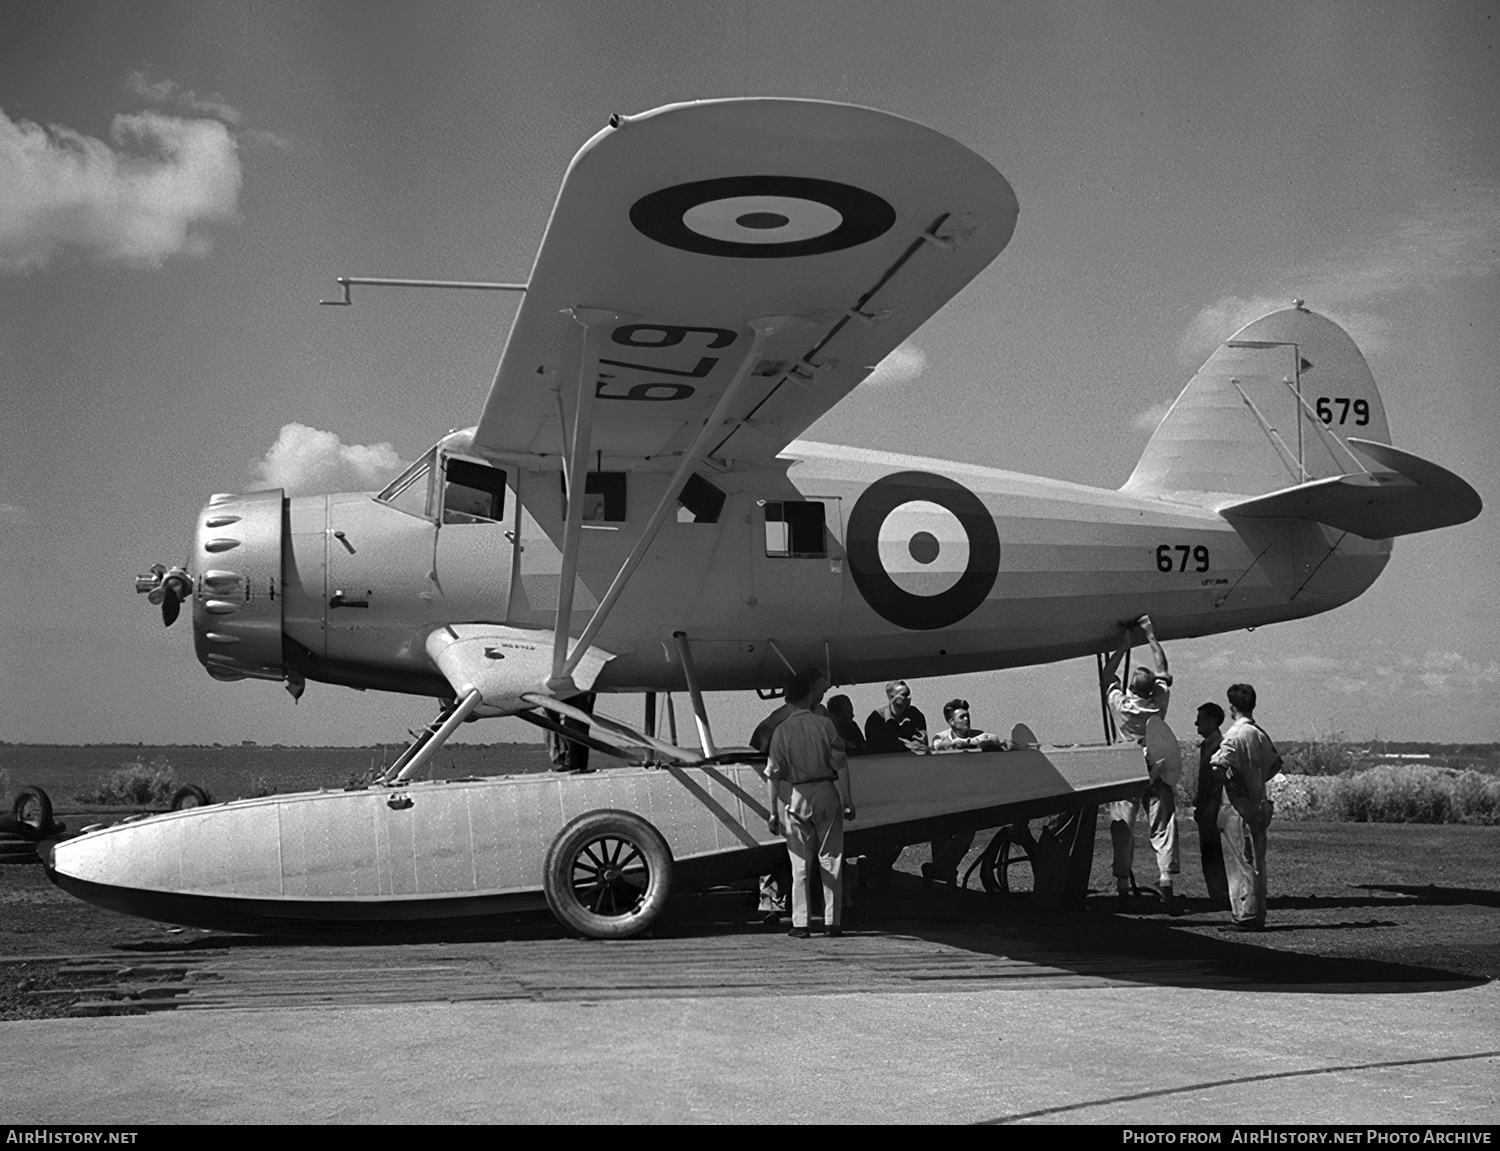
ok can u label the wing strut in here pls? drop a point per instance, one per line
(690, 673)
(563, 668)
(594, 321)
(426, 745)
(626, 735)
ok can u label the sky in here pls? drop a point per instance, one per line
(181, 183)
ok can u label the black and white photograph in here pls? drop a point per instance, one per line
(732, 562)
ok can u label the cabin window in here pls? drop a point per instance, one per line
(700, 502)
(472, 493)
(603, 497)
(794, 530)
(409, 491)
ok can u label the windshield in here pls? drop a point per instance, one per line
(408, 492)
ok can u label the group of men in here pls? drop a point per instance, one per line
(808, 791)
(808, 798)
(1234, 765)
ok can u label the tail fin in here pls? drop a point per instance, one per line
(1278, 424)
(1239, 429)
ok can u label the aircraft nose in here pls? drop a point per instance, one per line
(235, 584)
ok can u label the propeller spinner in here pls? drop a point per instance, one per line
(167, 587)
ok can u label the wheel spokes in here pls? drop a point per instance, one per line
(600, 882)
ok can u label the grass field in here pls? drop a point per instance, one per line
(240, 771)
(1330, 781)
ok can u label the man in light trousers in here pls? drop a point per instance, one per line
(807, 779)
(1148, 696)
(1246, 759)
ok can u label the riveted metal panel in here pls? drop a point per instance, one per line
(396, 835)
(443, 853)
(493, 833)
(338, 844)
(539, 816)
(229, 850)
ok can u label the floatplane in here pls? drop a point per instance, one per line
(633, 513)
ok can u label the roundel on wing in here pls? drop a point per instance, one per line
(762, 217)
(922, 549)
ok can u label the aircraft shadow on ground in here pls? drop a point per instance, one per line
(1094, 944)
(1448, 896)
(1159, 951)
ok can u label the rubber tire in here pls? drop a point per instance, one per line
(571, 843)
(994, 864)
(13, 829)
(993, 879)
(33, 797)
(18, 846)
(190, 791)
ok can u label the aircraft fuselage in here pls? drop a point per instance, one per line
(875, 565)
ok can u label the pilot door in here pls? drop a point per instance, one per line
(477, 512)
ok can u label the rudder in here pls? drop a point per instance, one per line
(1238, 428)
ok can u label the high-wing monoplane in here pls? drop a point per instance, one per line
(633, 513)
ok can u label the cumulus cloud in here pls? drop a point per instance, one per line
(1148, 420)
(1453, 237)
(174, 94)
(904, 364)
(136, 200)
(306, 461)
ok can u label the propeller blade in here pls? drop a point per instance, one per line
(175, 589)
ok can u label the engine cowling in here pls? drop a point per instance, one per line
(237, 595)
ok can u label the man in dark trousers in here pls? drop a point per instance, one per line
(1209, 796)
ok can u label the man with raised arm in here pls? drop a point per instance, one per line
(1246, 759)
(1149, 694)
(807, 780)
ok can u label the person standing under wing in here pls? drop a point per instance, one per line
(807, 779)
(1149, 695)
(1206, 802)
(1244, 762)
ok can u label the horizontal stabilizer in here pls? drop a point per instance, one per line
(1409, 495)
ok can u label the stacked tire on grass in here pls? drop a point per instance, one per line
(29, 822)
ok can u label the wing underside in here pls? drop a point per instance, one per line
(775, 250)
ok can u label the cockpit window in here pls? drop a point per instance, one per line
(794, 530)
(700, 502)
(472, 492)
(603, 497)
(409, 491)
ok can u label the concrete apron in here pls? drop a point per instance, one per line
(1146, 1054)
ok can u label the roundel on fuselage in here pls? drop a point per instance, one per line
(923, 550)
(762, 217)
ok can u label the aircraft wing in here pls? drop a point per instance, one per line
(688, 228)
(1409, 495)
